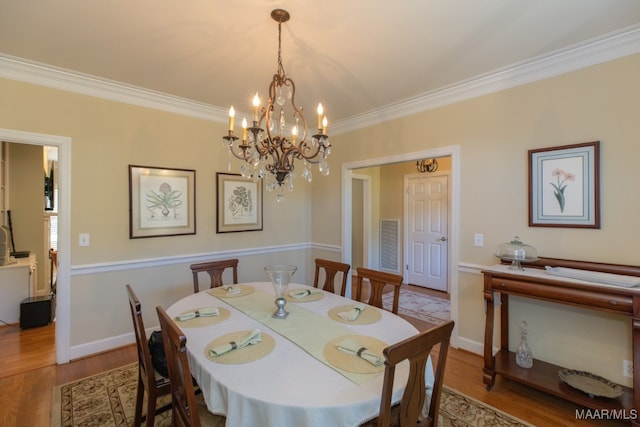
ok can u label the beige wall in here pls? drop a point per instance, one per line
(106, 137)
(26, 197)
(493, 133)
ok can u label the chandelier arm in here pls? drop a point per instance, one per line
(242, 152)
(297, 110)
(308, 152)
(269, 109)
(239, 155)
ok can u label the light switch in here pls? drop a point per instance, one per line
(83, 239)
(478, 239)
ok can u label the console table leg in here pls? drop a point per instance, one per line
(489, 371)
(489, 378)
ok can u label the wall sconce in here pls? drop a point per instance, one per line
(427, 165)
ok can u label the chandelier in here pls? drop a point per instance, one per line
(269, 153)
(427, 165)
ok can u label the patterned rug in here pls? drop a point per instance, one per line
(420, 306)
(108, 400)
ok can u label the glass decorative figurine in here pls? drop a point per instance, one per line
(524, 357)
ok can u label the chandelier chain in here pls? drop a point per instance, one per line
(280, 66)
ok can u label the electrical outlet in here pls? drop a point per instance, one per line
(478, 239)
(627, 368)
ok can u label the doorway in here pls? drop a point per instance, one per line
(453, 152)
(63, 297)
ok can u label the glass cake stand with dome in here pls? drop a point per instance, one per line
(516, 252)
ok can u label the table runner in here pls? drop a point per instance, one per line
(308, 330)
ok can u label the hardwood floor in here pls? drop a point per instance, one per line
(29, 374)
(18, 351)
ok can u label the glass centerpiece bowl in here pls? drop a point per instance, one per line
(516, 252)
(280, 276)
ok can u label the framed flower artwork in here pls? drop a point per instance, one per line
(239, 203)
(564, 186)
(162, 201)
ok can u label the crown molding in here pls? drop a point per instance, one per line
(592, 52)
(595, 51)
(23, 70)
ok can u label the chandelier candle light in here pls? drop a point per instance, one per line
(269, 153)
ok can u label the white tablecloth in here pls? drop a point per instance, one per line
(288, 387)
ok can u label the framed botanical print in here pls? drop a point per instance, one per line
(162, 201)
(239, 203)
(564, 186)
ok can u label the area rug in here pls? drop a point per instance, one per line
(108, 400)
(459, 410)
(420, 306)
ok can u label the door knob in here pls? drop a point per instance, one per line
(443, 239)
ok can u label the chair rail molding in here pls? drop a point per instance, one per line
(105, 267)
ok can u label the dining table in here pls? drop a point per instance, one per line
(297, 373)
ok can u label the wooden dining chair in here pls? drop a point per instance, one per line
(188, 410)
(416, 350)
(183, 396)
(378, 280)
(215, 269)
(331, 269)
(53, 271)
(149, 380)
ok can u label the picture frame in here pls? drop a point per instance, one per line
(239, 203)
(564, 186)
(162, 201)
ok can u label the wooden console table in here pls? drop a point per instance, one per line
(535, 283)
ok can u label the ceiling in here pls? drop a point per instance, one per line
(354, 56)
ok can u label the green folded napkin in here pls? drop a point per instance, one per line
(203, 312)
(354, 313)
(351, 346)
(301, 293)
(253, 337)
(232, 290)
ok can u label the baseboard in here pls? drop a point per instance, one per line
(103, 345)
(470, 346)
(5, 324)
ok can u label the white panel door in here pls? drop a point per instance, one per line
(427, 225)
